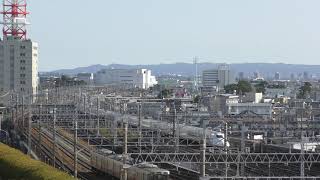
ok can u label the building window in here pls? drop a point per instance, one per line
(22, 54)
(22, 47)
(22, 75)
(22, 68)
(22, 82)
(35, 55)
(22, 61)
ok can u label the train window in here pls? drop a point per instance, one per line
(161, 177)
(146, 176)
(219, 136)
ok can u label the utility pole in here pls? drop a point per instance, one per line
(243, 130)
(22, 112)
(85, 112)
(175, 133)
(125, 152)
(54, 136)
(302, 158)
(39, 128)
(98, 119)
(196, 78)
(114, 131)
(174, 129)
(203, 152)
(302, 150)
(226, 148)
(75, 142)
(125, 148)
(29, 129)
(140, 126)
(90, 111)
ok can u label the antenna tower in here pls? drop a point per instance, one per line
(15, 18)
(196, 77)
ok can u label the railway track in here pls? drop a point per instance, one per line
(65, 151)
(64, 155)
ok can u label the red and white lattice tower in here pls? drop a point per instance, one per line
(15, 18)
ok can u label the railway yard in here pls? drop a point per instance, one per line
(93, 135)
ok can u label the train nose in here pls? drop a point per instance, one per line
(228, 144)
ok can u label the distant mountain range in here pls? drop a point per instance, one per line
(187, 69)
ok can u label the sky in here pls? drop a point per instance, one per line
(76, 33)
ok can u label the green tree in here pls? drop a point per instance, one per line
(166, 93)
(241, 87)
(244, 87)
(196, 99)
(230, 88)
(304, 90)
(261, 87)
(65, 78)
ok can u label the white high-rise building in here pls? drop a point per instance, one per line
(137, 78)
(277, 76)
(18, 67)
(18, 55)
(217, 78)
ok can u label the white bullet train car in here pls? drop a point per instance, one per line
(213, 138)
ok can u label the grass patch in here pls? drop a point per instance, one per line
(16, 165)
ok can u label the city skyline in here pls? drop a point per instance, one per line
(153, 32)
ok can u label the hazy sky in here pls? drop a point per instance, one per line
(74, 33)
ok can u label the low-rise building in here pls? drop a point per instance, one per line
(277, 92)
(315, 95)
(252, 97)
(263, 109)
(131, 78)
(218, 103)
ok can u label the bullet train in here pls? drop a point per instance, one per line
(213, 138)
